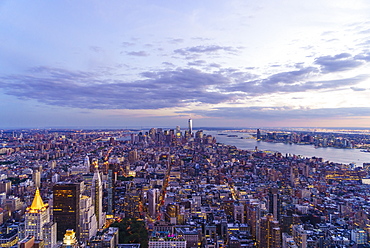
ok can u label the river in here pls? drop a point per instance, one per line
(344, 156)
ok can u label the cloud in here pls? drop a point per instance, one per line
(77, 89)
(139, 54)
(176, 41)
(215, 65)
(365, 56)
(126, 44)
(358, 89)
(281, 113)
(96, 49)
(197, 63)
(339, 62)
(204, 49)
(168, 64)
(290, 81)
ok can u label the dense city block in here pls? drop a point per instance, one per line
(177, 188)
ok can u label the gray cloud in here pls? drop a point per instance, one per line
(290, 81)
(365, 56)
(92, 91)
(197, 63)
(173, 87)
(215, 65)
(139, 54)
(167, 64)
(176, 41)
(358, 89)
(204, 49)
(96, 49)
(126, 44)
(339, 62)
(281, 113)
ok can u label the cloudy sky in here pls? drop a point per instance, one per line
(247, 63)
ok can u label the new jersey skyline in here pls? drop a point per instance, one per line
(159, 63)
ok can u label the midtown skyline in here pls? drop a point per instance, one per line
(160, 63)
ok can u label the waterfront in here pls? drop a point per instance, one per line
(344, 156)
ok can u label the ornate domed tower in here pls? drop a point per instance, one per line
(37, 221)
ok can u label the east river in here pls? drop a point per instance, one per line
(344, 156)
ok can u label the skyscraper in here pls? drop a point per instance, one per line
(88, 219)
(269, 232)
(190, 126)
(37, 222)
(87, 163)
(259, 134)
(274, 203)
(66, 208)
(97, 196)
(153, 197)
(36, 177)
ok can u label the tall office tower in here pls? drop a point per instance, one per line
(300, 236)
(253, 214)
(88, 219)
(258, 134)
(36, 178)
(87, 163)
(178, 131)
(52, 164)
(274, 203)
(37, 222)
(110, 192)
(153, 198)
(66, 207)
(190, 127)
(97, 196)
(238, 211)
(152, 133)
(269, 236)
(132, 156)
(172, 212)
(6, 186)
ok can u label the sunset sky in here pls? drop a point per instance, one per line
(260, 63)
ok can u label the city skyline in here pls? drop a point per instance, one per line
(160, 63)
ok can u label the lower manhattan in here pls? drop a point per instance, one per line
(160, 124)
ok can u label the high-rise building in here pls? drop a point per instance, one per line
(274, 203)
(88, 219)
(269, 233)
(172, 212)
(190, 122)
(258, 134)
(66, 208)
(300, 236)
(97, 196)
(36, 178)
(87, 163)
(37, 222)
(132, 156)
(238, 211)
(359, 236)
(153, 198)
(110, 192)
(5, 186)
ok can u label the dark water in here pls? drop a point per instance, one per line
(344, 156)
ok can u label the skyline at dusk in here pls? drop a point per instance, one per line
(159, 63)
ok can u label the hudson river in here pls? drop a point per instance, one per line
(344, 156)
